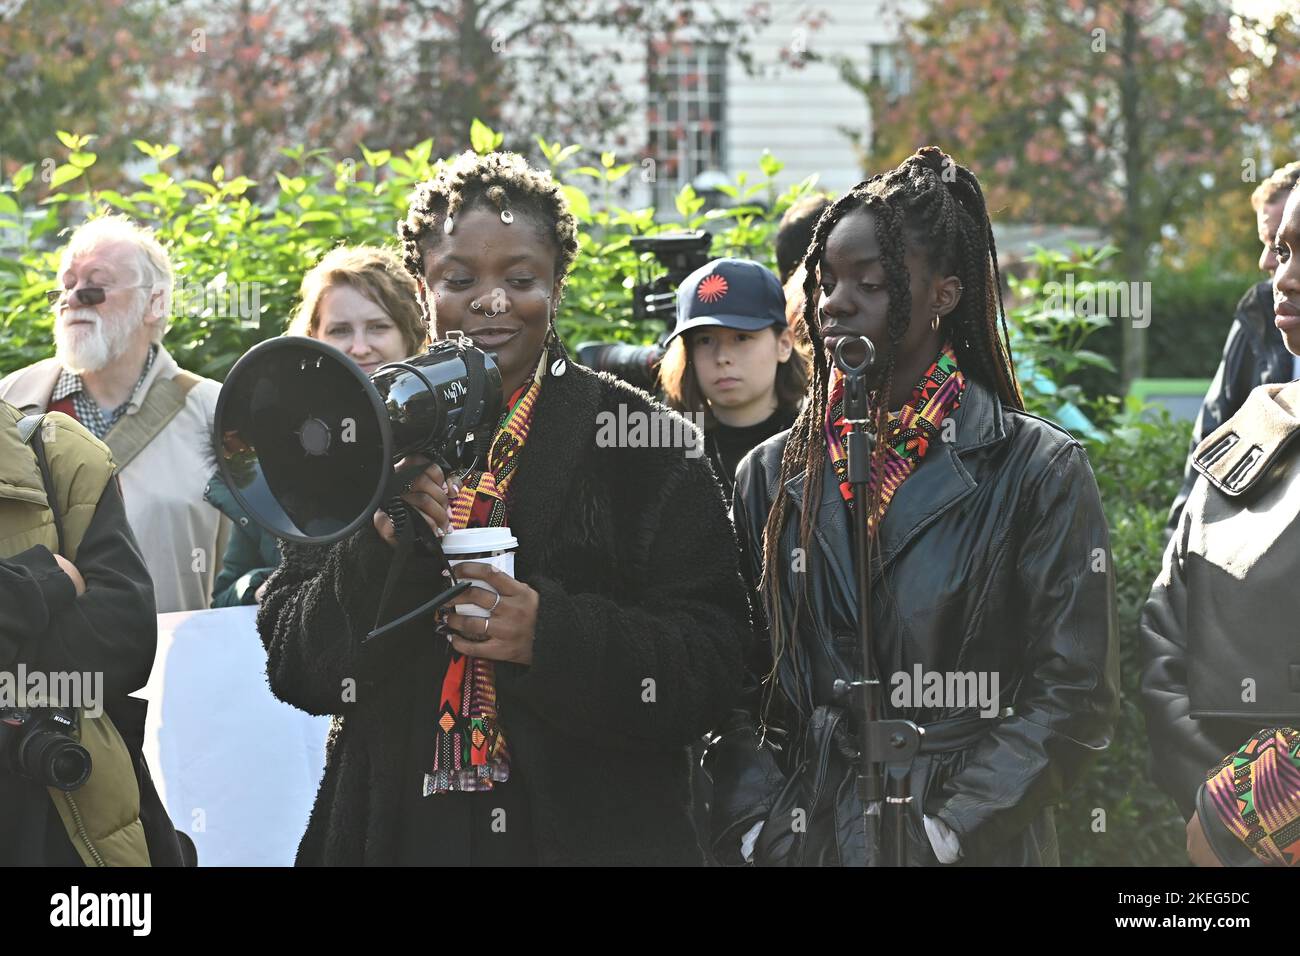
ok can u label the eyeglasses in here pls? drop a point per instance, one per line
(88, 295)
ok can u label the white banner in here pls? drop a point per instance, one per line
(237, 769)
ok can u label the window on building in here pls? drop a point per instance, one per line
(890, 68)
(686, 113)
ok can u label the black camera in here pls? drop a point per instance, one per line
(40, 743)
(653, 297)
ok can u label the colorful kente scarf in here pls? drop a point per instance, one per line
(470, 752)
(907, 436)
(1256, 793)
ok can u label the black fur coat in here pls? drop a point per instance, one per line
(642, 624)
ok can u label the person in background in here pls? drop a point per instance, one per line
(360, 300)
(1217, 634)
(111, 373)
(732, 359)
(75, 597)
(1254, 353)
(795, 233)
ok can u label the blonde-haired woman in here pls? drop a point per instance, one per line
(362, 301)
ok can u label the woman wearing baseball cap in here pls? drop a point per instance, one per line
(732, 359)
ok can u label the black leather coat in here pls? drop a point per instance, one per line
(994, 556)
(1220, 654)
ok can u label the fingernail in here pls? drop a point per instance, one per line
(437, 531)
(444, 488)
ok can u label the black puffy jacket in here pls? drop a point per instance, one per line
(993, 556)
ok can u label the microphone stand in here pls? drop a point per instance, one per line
(881, 741)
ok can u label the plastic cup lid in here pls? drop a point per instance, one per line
(476, 540)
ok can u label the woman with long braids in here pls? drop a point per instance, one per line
(556, 729)
(992, 602)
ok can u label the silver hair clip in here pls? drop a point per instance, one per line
(507, 216)
(446, 225)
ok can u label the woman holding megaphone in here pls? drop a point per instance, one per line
(552, 727)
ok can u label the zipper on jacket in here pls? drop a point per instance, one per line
(81, 830)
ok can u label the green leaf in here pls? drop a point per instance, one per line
(376, 158)
(565, 153)
(769, 164)
(70, 140)
(8, 206)
(318, 215)
(420, 152)
(64, 174)
(401, 166)
(607, 160)
(618, 172)
(201, 186)
(156, 180)
(82, 160)
(23, 176)
(292, 185)
(591, 171)
(579, 204)
(482, 137)
(218, 173)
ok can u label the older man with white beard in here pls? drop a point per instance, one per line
(111, 372)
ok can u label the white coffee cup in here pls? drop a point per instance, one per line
(494, 546)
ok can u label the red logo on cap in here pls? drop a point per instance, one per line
(712, 288)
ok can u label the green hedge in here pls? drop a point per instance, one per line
(227, 237)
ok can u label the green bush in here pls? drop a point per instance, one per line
(229, 236)
(1137, 455)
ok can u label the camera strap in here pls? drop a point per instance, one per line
(29, 430)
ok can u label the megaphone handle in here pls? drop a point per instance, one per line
(426, 608)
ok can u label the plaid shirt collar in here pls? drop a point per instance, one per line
(89, 412)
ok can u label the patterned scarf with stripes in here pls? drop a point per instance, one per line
(907, 435)
(471, 752)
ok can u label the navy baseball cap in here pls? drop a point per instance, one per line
(734, 293)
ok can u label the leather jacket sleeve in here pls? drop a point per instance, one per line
(1181, 752)
(1068, 701)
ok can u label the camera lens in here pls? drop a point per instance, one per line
(56, 760)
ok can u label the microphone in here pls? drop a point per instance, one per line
(854, 354)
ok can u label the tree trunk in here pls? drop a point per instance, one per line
(1132, 234)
